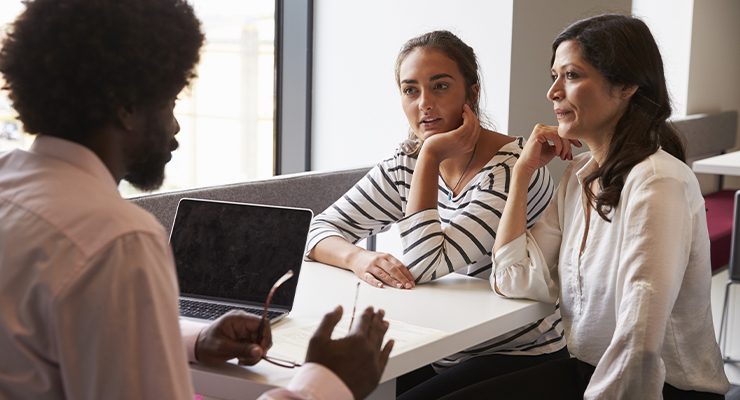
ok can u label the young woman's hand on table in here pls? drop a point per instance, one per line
(378, 268)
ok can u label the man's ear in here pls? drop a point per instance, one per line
(126, 117)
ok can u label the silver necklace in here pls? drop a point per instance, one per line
(449, 195)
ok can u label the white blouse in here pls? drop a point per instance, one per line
(636, 302)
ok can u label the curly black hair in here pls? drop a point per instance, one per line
(70, 64)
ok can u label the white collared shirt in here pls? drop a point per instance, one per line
(636, 302)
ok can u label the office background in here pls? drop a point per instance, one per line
(352, 114)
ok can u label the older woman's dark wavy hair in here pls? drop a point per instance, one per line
(70, 64)
(624, 51)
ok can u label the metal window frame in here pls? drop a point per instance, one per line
(293, 85)
(294, 88)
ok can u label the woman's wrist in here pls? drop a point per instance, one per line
(351, 257)
(521, 173)
(427, 156)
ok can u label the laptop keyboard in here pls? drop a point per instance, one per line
(211, 311)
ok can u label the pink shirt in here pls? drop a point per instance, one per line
(88, 288)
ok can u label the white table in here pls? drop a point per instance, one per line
(465, 308)
(725, 164)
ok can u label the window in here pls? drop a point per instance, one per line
(227, 115)
(11, 130)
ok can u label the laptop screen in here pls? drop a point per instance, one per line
(235, 251)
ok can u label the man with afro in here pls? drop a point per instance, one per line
(88, 288)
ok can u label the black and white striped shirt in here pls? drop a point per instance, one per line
(457, 236)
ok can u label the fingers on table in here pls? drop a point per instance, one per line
(371, 279)
(391, 272)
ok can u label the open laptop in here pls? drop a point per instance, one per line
(228, 256)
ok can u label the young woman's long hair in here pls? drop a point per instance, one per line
(624, 51)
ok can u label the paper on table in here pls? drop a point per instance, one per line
(292, 343)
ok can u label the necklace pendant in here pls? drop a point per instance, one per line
(449, 196)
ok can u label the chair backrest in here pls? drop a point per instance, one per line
(313, 190)
(735, 252)
(707, 134)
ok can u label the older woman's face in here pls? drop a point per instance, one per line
(432, 92)
(586, 104)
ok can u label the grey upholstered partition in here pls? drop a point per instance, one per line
(708, 134)
(312, 190)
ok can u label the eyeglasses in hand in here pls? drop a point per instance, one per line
(273, 360)
(278, 361)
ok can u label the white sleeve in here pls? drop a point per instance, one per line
(312, 382)
(117, 333)
(190, 331)
(527, 267)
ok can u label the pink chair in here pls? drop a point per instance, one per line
(734, 280)
(709, 135)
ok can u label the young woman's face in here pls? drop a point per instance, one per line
(587, 106)
(432, 92)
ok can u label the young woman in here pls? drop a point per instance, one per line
(445, 189)
(624, 244)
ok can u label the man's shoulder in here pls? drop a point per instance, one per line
(76, 204)
(105, 220)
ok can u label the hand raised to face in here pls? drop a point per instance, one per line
(456, 142)
(357, 358)
(538, 151)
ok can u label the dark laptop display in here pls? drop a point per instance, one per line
(234, 252)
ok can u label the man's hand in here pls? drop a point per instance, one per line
(357, 359)
(234, 335)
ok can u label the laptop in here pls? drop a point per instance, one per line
(228, 256)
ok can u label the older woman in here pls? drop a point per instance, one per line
(624, 243)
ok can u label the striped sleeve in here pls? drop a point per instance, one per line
(369, 207)
(539, 194)
(462, 232)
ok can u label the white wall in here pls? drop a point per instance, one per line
(714, 83)
(357, 115)
(672, 32)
